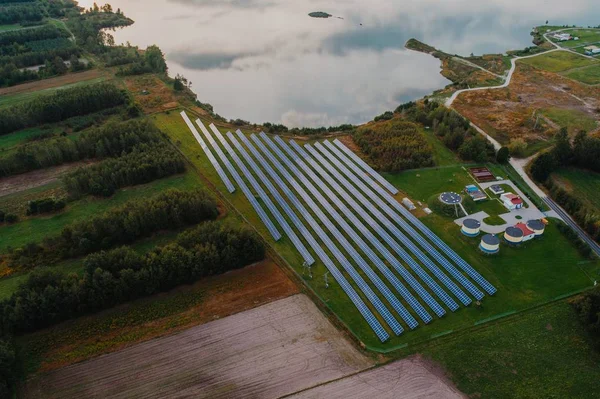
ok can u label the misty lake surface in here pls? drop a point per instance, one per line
(267, 60)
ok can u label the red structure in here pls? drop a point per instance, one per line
(482, 175)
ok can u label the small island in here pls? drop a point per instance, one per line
(319, 14)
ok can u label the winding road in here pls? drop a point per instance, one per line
(520, 164)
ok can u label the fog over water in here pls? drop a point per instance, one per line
(267, 60)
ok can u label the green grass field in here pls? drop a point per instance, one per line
(4, 28)
(12, 140)
(442, 156)
(586, 36)
(558, 61)
(584, 183)
(12, 99)
(589, 75)
(37, 228)
(573, 120)
(543, 353)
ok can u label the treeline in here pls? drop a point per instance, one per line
(45, 205)
(394, 145)
(110, 140)
(453, 130)
(30, 57)
(303, 131)
(61, 105)
(136, 219)
(587, 307)
(8, 217)
(147, 162)
(582, 246)
(18, 13)
(153, 60)
(584, 152)
(22, 36)
(122, 275)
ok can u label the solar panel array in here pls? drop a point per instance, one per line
(335, 208)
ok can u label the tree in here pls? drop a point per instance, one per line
(155, 58)
(517, 147)
(543, 166)
(503, 155)
(563, 152)
(178, 85)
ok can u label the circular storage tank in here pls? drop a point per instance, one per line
(471, 227)
(490, 244)
(513, 235)
(537, 226)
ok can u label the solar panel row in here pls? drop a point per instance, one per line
(366, 289)
(240, 182)
(209, 154)
(408, 243)
(406, 316)
(336, 274)
(489, 288)
(413, 283)
(265, 198)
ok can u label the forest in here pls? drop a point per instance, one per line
(22, 36)
(171, 209)
(23, 12)
(394, 145)
(587, 306)
(110, 140)
(61, 105)
(583, 152)
(147, 162)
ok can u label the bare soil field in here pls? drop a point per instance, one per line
(270, 351)
(513, 111)
(151, 93)
(411, 378)
(26, 181)
(52, 82)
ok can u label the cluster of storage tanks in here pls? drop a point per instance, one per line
(513, 235)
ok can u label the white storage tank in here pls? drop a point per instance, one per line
(471, 227)
(490, 244)
(537, 226)
(513, 235)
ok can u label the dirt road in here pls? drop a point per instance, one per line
(270, 351)
(410, 378)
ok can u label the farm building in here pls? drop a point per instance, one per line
(409, 204)
(514, 236)
(537, 226)
(497, 189)
(511, 201)
(562, 37)
(490, 244)
(528, 234)
(475, 193)
(470, 227)
(592, 50)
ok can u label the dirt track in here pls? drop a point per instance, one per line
(412, 378)
(269, 351)
(52, 82)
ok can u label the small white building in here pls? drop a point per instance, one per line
(562, 37)
(409, 204)
(592, 50)
(497, 189)
(511, 201)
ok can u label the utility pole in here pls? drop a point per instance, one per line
(326, 282)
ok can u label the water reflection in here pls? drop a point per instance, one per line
(266, 60)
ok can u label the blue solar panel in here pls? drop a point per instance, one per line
(489, 288)
(407, 242)
(336, 274)
(209, 154)
(261, 193)
(381, 266)
(240, 182)
(366, 289)
(414, 284)
(367, 168)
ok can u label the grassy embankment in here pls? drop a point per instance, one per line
(573, 66)
(584, 183)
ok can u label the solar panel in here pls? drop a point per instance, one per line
(240, 182)
(366, 289)
(412, 282)
(390, 187)
(261, 193)
(336, 274)
(483, 283)
(381, 266)
(209, 154)
(407, 242)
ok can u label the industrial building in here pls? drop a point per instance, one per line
(471, 227)
(511, 201)
(513, 235)
(537, 226)
(497, 189)
(592, 50)
(490, 244)
(528, 234)
(475, 193)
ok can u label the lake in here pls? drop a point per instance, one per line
(267, 60)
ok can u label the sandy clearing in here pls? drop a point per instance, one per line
(36, 178)
(411, 378)
(270, 351)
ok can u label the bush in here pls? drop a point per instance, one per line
(587, 307)
(11, 218)
(503, 155)
(45, 205)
